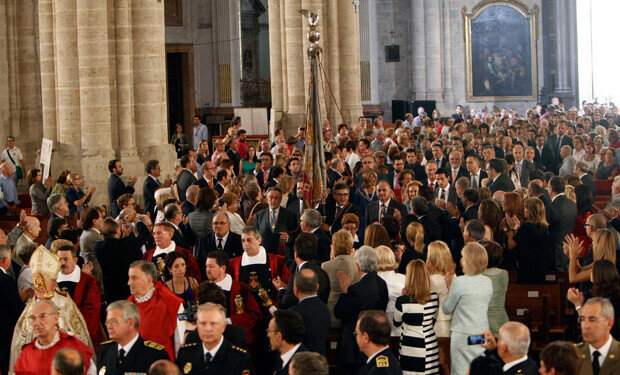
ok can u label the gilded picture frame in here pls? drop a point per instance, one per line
(501, 51)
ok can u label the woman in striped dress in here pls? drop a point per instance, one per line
(415, 312)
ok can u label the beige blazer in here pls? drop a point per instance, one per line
(344, 263)
(611, 364)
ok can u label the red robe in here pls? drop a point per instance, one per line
(276, 264)
(35, 361)
(88, 300)
(158, 317)
(252, 315)
(192, 266)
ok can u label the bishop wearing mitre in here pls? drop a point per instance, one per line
(45, 266)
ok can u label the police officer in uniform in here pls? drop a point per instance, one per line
(372, 334)
(215, 354)
(127, 352)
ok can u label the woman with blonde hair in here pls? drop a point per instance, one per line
(375, 235)
(395, 281)
(231, 208)
(411, 191)
(414, 246)
(440, 265)
(366, 193)
(287, 185)
(530, 242)
(468, 301)
(603, 247)
(569, 191)
(415, 313)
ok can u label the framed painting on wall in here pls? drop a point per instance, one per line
(500, 51)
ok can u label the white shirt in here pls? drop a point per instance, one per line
(74, 276)
(129, 345)
(260, 258)
(212, 351)
(445, 190)
(604, 350)
(510, 365)
(226, 283)
(166, 250)
(288, 355)
(16, 154)
(224, 239)
(552, 199)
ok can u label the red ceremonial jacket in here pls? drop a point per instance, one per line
(158, 317)
(35, 361)
(192, 266)
(249, 319)
(276, 264)
(88, 300)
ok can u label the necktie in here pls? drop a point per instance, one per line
(219, 244)
(208, 358)
(559, 145)
(474, 181)
(518, 169)
(432, 185)
(211, 184)
(443, 194)
(437, 161)
(264, 177)
(382, 210)
(596, 367)
(338, 209)
(273, 220)
(158, 182)
(121, 355)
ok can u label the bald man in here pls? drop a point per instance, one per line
(386, 205)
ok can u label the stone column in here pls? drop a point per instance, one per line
(418, 49)
(48, 69)
(448, 95)
(350, 84)
(331, 61)
(94, 74)
(4, 71)
(12, 39)
(67, 73)
(295, 63)
(124, 76)
(562, 48)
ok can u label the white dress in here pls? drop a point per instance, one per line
(438, 285)
(395, 284)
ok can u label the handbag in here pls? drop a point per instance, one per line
(18, 169)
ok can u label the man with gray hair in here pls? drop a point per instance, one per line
(310, 222)
(474, 231)
(215, 354)
(600, 351)
(512, 345)
(189, 205)
(67, 361)
(126, 351)
(57, 205)
(370, 293)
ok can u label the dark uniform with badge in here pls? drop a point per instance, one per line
(229, 360)
(527, 367)
(140, 357)
(383, 363)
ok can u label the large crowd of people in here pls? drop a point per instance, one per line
(404, 268)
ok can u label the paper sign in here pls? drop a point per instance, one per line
(46, 156)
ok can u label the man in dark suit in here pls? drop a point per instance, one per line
(223, 179)
(384, 206)
(233, 155)
(470, 203)
(208, 176)
(522, 166)
(445, 191)
(561, 215)
(536, 190)
(215, 354)
(285, 332)
(275, 176)
(183, 235)
(115, 254)
(116, 186)
(511, 348)
(304, 258)
(264, 175)
(186, 177)
(274, 222)
(151, 183)
(372, 333)
(498, 180)
(369, 162)
(113, 356)
(310, 222)
(456, 169)
(438, 156)
(370, 293)
(221, 239)
(189, 205)
(335, 173)
(313, 310)
(476, 175)
(10, 309)
(337, 207)
(554, 144)
(420, 213)
(294, 203)
(581, 170)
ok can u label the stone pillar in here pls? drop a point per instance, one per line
(432, 36)
(48, 69)
(566, 52)
(418, 49)
(331, 61)
(562, 48)
(276, 58)
(446, 41)
(350, 83)
(124, 76)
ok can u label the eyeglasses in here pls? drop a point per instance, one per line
(41, 316)
(586, 225)
(349, 228)
(342, 194)
(111, 322)
(220, 222)
(590, 319)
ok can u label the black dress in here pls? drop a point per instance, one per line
(408, 255)
(532, 252)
